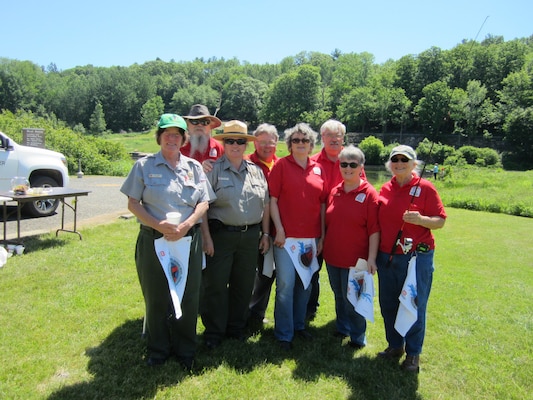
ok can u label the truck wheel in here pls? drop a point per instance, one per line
(44, 207)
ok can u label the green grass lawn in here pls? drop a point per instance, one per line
(72, 316)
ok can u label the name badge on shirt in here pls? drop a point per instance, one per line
(360, 198)
(317, 171)
(155, 176)
(223, 178)
(412, 192)
(213, 153)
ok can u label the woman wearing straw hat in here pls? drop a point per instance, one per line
(237, 219)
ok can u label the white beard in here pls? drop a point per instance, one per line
(199, 144)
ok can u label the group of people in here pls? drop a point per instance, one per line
(259, 219)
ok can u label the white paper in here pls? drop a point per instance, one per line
(408, 310)
(174, 259)
(360, 290)
(300, 250)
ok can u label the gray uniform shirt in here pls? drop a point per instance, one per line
(161, 188)
(241, 194)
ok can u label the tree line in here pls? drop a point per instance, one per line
(475, 90)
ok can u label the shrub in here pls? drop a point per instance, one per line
(372, 147)
(480, 156)
(97, 155)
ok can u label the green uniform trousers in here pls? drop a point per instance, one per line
(165, 334)
(228, 281)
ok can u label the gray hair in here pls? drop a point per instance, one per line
(351, 152)
(305, 130)
(267, 128)
(333, 125)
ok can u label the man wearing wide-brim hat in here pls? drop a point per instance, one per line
(201, 145)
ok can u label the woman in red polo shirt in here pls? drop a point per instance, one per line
(297, 202)
(352, 232)
(410, 208)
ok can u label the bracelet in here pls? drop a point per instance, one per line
(266, 234)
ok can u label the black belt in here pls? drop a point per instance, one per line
(243, 228)
(155, 232)
(215, 224)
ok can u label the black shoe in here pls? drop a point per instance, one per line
(155, 361)
(236, 336)
(285, 346)
(339, 335)
(212, 344)
(391, 353)
(355, 346)
(411, 364)
(186, 362)
(304, 334)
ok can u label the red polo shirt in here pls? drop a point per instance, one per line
(395, 200)
(300, 193)
(214, 150)
(350, 220)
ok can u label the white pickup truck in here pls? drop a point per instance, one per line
(41, 167)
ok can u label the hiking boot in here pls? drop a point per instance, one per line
(411, 364)
(391, 353)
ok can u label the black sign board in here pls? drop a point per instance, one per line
(33, 137)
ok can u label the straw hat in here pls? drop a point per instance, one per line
(235, 129)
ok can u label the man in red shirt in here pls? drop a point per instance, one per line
(265, 157)
(201, 145)
(332, 133)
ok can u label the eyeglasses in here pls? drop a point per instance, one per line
(233, 141)
(333, 135)
(265, 144)
(399, 159)
(203, 122)
(298, 140)
(353, 165)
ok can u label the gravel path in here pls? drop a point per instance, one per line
(104, 204)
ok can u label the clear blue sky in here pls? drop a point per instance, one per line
(71, 33)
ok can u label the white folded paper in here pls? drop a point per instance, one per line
(174, 259)
(408, 309)
(303, 256)
(360, 290)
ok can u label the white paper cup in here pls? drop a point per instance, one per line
(174, 217)
(19, 249)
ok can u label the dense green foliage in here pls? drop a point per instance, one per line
(476, 90)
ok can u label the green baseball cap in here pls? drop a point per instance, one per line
(172, 120)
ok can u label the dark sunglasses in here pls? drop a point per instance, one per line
(233, 141)
(203, 122)
(353, 165)
(399, 159)
(297, 140)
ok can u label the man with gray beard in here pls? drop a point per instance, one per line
(201, 145)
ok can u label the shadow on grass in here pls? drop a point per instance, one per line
(41, 242)
(119, 372)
